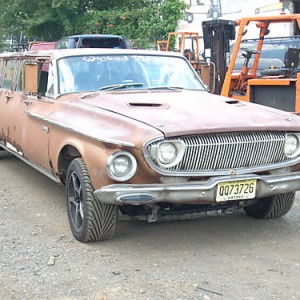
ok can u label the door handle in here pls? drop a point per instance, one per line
(27, 101)
(8, 95)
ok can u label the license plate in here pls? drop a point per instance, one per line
(236, 190)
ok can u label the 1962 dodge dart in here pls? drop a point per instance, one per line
(132, 132)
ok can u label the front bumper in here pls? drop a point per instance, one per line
(193, 192)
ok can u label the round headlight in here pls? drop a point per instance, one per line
(121, 166)
(167, 153)
(291, 146)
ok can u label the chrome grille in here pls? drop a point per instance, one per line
(226, 151)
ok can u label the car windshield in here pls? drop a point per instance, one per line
(113, 72)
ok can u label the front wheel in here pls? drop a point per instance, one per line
(90, 220)
(272, 207)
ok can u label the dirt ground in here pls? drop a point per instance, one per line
(224, 257)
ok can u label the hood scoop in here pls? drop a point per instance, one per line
(147, 105)
(232, 101)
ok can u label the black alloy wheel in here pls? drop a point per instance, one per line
(89, 219)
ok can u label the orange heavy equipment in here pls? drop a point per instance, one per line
(188, 45)
(263, 74)
(190, 49)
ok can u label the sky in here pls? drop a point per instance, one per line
(232, 10)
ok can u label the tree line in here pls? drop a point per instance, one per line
(141, 21)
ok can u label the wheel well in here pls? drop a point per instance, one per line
(66, 155)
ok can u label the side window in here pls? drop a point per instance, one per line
(30, 77)
(34, 77)
(43, 77)
(19, 76)
(1, 71)
(50, 81)
(9, 74)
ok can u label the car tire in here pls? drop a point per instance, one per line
(272, 207)
(89, 219)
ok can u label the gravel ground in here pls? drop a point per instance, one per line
(224, 257)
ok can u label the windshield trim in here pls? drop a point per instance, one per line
(146, 67)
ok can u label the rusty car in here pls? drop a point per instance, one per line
(134, 133)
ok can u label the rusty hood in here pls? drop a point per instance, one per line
(191, 112)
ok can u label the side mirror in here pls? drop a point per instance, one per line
(30, 78)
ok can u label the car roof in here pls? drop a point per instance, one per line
(92, 36)
(279, 39)
(60, 53)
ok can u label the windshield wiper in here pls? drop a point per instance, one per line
(120, 86)
(166, 88)
(174, 88)
(113, 87)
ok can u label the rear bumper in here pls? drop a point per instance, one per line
(193, 192)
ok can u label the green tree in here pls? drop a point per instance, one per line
(144, 25)
(142, 21)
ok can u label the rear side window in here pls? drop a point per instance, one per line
(9, 73)
(19, 77)
(2, 63)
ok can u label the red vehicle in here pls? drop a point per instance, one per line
(42, 45)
